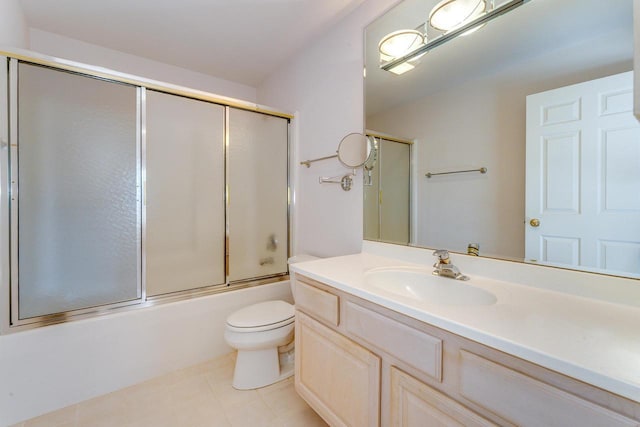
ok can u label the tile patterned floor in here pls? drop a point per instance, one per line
(198, 396)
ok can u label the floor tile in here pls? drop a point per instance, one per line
(202, 414)
(284, 399)
(197, 396)
(110, 410)
(255, 413)
(63, 417)
(229, 396)
(307, 418)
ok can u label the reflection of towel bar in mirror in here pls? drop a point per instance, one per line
(481, 170)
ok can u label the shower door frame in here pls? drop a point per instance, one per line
(14, 202)
(411, 186)
(9, 277)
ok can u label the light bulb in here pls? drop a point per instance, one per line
(399, 43)
(450, 14)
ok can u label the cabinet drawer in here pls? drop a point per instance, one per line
(318, 303)
(416, 348)
(414, 404)
(526, 401)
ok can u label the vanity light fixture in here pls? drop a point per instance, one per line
(475, 18)
(450, 14)
(396, 45)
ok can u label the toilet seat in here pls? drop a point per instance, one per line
(263, 316)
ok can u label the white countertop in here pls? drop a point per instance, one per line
(588, 339)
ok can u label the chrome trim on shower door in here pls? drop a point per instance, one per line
(13, 187)
(226, 194)
(5, 285)
(141, 149)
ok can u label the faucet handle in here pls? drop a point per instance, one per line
(443, 255)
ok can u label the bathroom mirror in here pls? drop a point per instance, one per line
(464, 106)
(354, 150)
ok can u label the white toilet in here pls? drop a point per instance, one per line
(263, 335)
(257, 331)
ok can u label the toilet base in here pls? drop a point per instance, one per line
(286, 371)
(259, 368)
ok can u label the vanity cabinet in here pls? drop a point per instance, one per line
(361, 364)
(336, 376)
(415, 404)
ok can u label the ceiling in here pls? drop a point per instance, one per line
(238, 40)
(503, 49)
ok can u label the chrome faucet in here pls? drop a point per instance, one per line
(444, 268)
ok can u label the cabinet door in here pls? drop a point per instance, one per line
(415, 404)
(337, 377)
(526, 401)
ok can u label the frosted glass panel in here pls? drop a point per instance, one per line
(395, 161)
(387, 201)
(185, 194)
(257, 195)
(78, 214)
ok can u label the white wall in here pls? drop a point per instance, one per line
(55, 366)
(482, 123)
(323, 85)
(77, 50)
(13, 27)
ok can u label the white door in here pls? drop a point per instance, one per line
(583, 176)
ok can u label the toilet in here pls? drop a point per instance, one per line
(257, 332)
(263, 335)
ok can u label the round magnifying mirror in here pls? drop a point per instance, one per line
(354, 150)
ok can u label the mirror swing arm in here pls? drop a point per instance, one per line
(307, 163)
(354, 151)
(345, 181)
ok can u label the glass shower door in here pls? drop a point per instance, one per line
(257, 195)
(395, 176)
(75, 200)
(185, 223)
(387, 197)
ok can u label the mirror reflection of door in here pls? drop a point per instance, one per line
(583, 175)
(387, 194)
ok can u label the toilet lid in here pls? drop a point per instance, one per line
(261, 314)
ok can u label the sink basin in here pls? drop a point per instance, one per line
(419, 284)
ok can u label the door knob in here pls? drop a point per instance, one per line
(535, 222)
